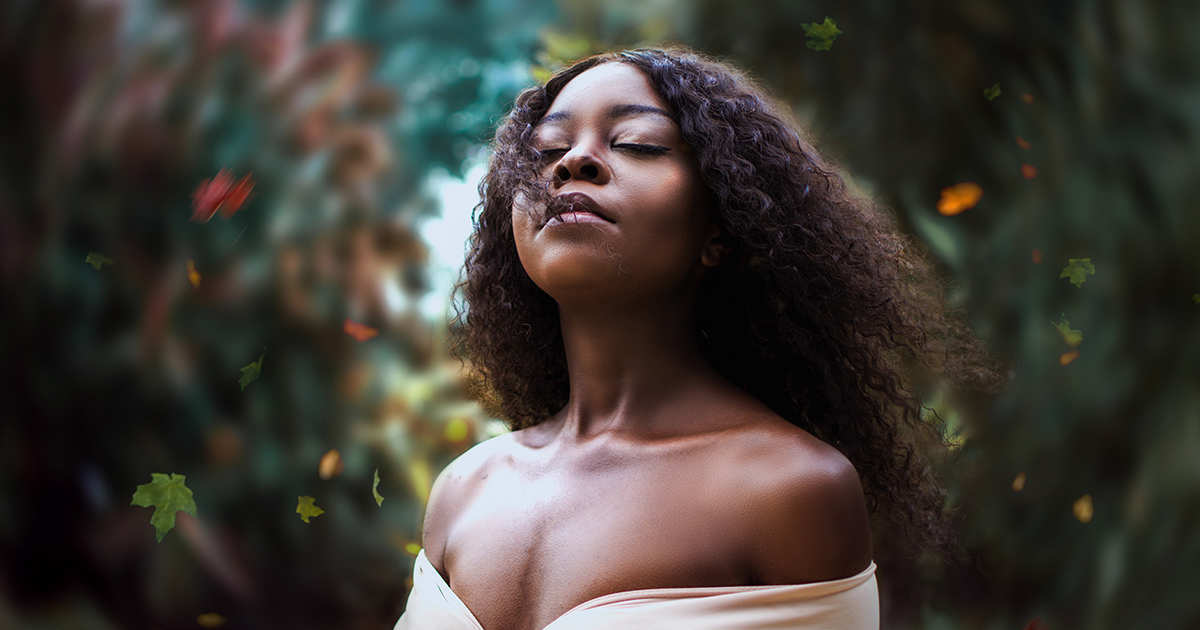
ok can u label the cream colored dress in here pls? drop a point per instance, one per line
(847, 604)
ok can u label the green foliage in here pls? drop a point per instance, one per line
(375, 489)
(97, 260)
(992, 92)
(167, 495)
(1077, 270)
(821, 34)
(1071, 337)
(308, 508)
(250, 373)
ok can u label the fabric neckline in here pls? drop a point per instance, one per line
(814, 589)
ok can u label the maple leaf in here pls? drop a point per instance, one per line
(1077, 270)
(96, 259)
(959, 197)
(251, 372)
(375, 489)
(1083, 508)
(992, 92)
(220, 193)
(1072, 337)
(822, 34)
(167, 495)
(360, 332)
(193, 275)
(307, 508)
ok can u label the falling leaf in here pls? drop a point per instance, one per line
(1037, 256)
(1018, 484)
(220, 193)
(360, 332)
(959, 197)
(96, 259)
(1072, 337)
(1027, 97)
(822, 34)
(1077, 270)
(1082, 508)
(1068, 357)
(168, 495)
(307, 508)
(1037, 624)
(1029, 171)
(992, 92)
(375, 489)
(193, 275)
(456, 430)
(210, 620)
(1023, 143)
(412, 548)
(331, 465)
(251, 372)
(1196, 298)
(421, 477)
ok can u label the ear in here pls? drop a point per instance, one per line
(715, 249)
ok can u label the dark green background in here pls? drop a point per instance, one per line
(114, 113)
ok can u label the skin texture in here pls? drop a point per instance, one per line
(658, 472)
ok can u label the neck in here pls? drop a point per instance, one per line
(627, 363)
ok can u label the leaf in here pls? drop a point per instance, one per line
(251, 372)
(307, 508)
(1083, 508)
(1028, 171)
(992, 92)
(1023, 143)
(822, 34)
(210, 620)
(1077, 270)
(1037, 624)
(1196, 298)
(220, 193)
(456, 430)
(1067, 357)
(1037, 256)
(1018, 483)
(1072, 337)
(412, 548)
(959, 197)
(360, 332)
(331, 465)
(168, 495)
(375, 489)
(1027, 97)
(96, 259)
(193, 275)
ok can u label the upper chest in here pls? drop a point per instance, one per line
(539, 537)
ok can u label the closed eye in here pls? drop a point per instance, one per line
(644, 149)
(551, 154)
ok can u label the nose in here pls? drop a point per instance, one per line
(580, 164)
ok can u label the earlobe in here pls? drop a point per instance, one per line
(715, 249)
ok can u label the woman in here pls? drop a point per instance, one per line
(698, 335)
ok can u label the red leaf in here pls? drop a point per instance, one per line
(360, 332)
(236, 197)
(220, 193)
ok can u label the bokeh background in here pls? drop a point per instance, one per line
(363, 125)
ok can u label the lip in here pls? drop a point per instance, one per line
(578, 206)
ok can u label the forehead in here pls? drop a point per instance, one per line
(603, 87)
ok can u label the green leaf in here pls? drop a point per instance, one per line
(167, 495)
(375, 490)
(1072, 337)
(251, 372)
(822, 34)
(992, 92)
(96, 259)
(1077, 270)
(307, 508)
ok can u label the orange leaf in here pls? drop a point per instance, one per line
(1068, 357)
(1037, 256)
(331, 465)
(1029, 171)
(1018, 483)
(193, 275)
(1027, 97)
(959, 197)
(1083, 508)
(360, 332)
(1023, 143)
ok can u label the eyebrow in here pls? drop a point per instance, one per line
(615, 112)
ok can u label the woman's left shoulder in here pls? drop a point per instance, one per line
(810, 515)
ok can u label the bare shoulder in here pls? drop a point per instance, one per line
(453, 490)
(810, 516)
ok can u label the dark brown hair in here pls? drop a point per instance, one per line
(822, 312)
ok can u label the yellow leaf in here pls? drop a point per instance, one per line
(421, 478)
(210, 620)
(1083, 508)
(193, 275)
(307, 508)
(456, 430)
(375, 489)
(412, 548)
(1071, 337)
(1018, 484)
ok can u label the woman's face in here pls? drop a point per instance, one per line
(631, 217)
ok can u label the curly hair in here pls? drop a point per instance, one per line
(823, 311)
